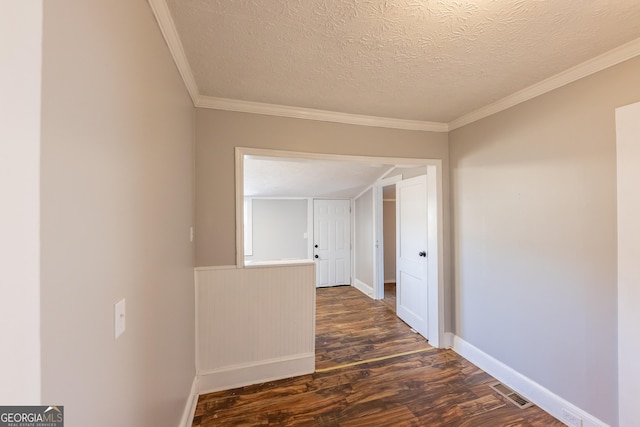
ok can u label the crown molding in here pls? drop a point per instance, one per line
(592, 66)
(321, 115)
(168, 29)
(609, 59)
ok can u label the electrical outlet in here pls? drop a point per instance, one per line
(571, 419)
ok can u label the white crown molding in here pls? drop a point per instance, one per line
(321, 115)
(592, 66)
(168, 29)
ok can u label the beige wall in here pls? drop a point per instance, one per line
(20, 73)
(363, 236)
(218, 132)
(534, 214)
(389, 235)
(116, 207)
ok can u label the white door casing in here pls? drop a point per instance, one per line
(332, 242)
(412, 278)
(378, 285)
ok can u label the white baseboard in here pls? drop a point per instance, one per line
(525, 386)
(255, 373)
(190, 406)
(389, 280)
(363, 287)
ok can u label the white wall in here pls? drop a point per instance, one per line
(364, 250)
(20, 73)
(534, 214)
(628, 155)
(279, 227)
(116, 207)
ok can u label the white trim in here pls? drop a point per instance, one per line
(378, 239)
(262, 371)
(628, 246)
(363, 287)
(544, 398)
(190, 406)
(406, 162)
(216, 267)
(170, 34)
(435, 254)
(352, 241)
(313, 114)
(239, 167)
(278, 198)
(279, 263)
(373, 185)
(592, 66)
(390, 281)
(248, 226)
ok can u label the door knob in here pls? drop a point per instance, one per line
(316, 256)
(422, 254)
(315, 246)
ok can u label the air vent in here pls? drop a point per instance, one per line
(511, 395)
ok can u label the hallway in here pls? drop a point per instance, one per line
(371, 370)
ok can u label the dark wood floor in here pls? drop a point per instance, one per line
(372, 371)
(351, 327)
(390, 296)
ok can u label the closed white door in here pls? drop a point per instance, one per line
(332, 245)
(411, 250)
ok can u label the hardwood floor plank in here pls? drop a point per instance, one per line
(344, 335)
(431, 387)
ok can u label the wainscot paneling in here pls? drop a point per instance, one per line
(254, 324)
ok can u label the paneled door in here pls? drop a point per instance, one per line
(411, 253)
(332, 242)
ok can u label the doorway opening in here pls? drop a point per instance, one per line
(388, 246)
(435, 285)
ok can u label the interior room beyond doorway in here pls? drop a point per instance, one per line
(312, 182)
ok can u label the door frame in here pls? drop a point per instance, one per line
(378, 233)
(436, 216)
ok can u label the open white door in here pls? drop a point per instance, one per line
(332, 245)
(411, 248)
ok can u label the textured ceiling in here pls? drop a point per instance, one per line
(410, 59)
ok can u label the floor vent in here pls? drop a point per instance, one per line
(511, 395)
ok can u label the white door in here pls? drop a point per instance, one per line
(411, 252)
(332, 242)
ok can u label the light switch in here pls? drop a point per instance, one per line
(120, 317)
